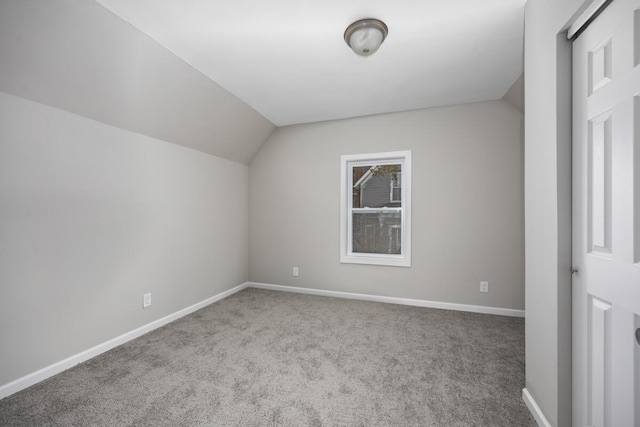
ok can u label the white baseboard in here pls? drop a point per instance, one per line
(51, 370)
(534, 409)
(393, 300)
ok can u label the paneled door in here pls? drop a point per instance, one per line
(606, 219)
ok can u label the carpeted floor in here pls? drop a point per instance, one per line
(265, 358)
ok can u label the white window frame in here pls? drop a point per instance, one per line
(346, 206)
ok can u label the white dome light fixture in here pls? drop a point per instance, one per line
(365, 36)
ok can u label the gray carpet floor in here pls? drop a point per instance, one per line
(265, 358)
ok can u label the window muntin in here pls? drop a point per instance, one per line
(375, 215)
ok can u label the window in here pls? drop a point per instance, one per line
(375, 217)
(395, 193)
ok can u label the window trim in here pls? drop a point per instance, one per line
(346, 206)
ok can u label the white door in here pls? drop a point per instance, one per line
(606, 219)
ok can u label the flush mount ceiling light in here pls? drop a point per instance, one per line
(365, 36)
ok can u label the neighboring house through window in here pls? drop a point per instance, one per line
(375, 221)
(395, 192)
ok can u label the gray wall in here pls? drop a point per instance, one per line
(548, 205)
(468, 205)
(78, 56)
(515, 94)
(92, 217)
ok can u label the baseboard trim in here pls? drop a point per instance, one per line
(392, 300)
(534, 409)
(51, 370)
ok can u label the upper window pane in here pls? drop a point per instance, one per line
(376, 186)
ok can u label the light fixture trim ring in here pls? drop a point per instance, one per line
(366, 23)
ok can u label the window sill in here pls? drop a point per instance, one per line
(398, 261)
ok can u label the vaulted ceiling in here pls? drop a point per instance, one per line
(218, 76)
(288, 60)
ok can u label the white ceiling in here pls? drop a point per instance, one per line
(287, 58)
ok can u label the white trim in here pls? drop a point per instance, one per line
(587, 16)
(534, 409)
(376, 210)
(51, 370)
(392, 300)
(346, 206)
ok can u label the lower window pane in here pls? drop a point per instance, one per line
(377, 232)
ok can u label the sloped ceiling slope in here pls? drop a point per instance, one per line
(288, 60)
(77, 56)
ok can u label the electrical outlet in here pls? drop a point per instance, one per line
(296, 272)
(146, 300)
(484, 286)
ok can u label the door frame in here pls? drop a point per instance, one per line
(564, 212)
(564, 111)
(562, 304)
(564, 102)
